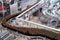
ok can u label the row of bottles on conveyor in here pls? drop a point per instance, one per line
(52, 8)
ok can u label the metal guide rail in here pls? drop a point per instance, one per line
(32, 10)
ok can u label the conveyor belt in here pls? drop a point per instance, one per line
(30, 31)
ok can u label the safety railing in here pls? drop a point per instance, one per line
(32, 9)
(29, 24)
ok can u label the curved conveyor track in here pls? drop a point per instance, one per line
(32, 31)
